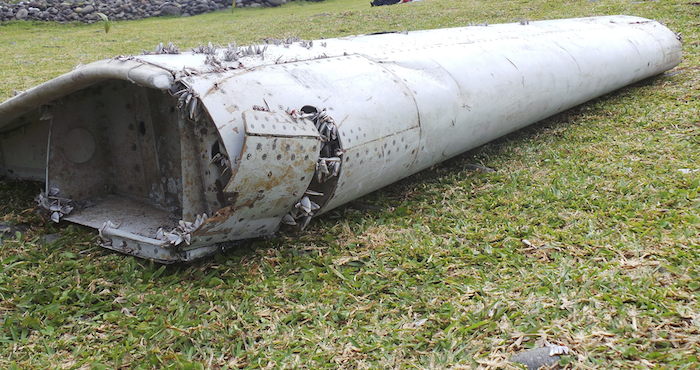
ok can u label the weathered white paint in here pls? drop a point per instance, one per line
(401, 102)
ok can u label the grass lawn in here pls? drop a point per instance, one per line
(430, 272)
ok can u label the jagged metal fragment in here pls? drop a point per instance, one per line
(168, 155)
(207, 49)
(170, 48)
(56, 206)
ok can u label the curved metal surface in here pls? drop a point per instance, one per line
(243, 139)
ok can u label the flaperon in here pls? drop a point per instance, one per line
(171, 153)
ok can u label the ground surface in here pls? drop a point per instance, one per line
(432, 271)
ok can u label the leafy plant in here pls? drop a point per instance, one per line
(105, 21)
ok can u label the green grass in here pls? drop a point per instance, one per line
(430, 272)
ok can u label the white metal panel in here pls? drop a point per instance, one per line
(380, 106)
(372, 165)
(273, 173)
(400, 102)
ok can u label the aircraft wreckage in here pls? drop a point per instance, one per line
(170, 154)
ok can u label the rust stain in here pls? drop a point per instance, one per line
(250, 203)
(213, 89)
(217, 219)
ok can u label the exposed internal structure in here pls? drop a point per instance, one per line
(127, 155)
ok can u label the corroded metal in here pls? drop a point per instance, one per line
(170, 154)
